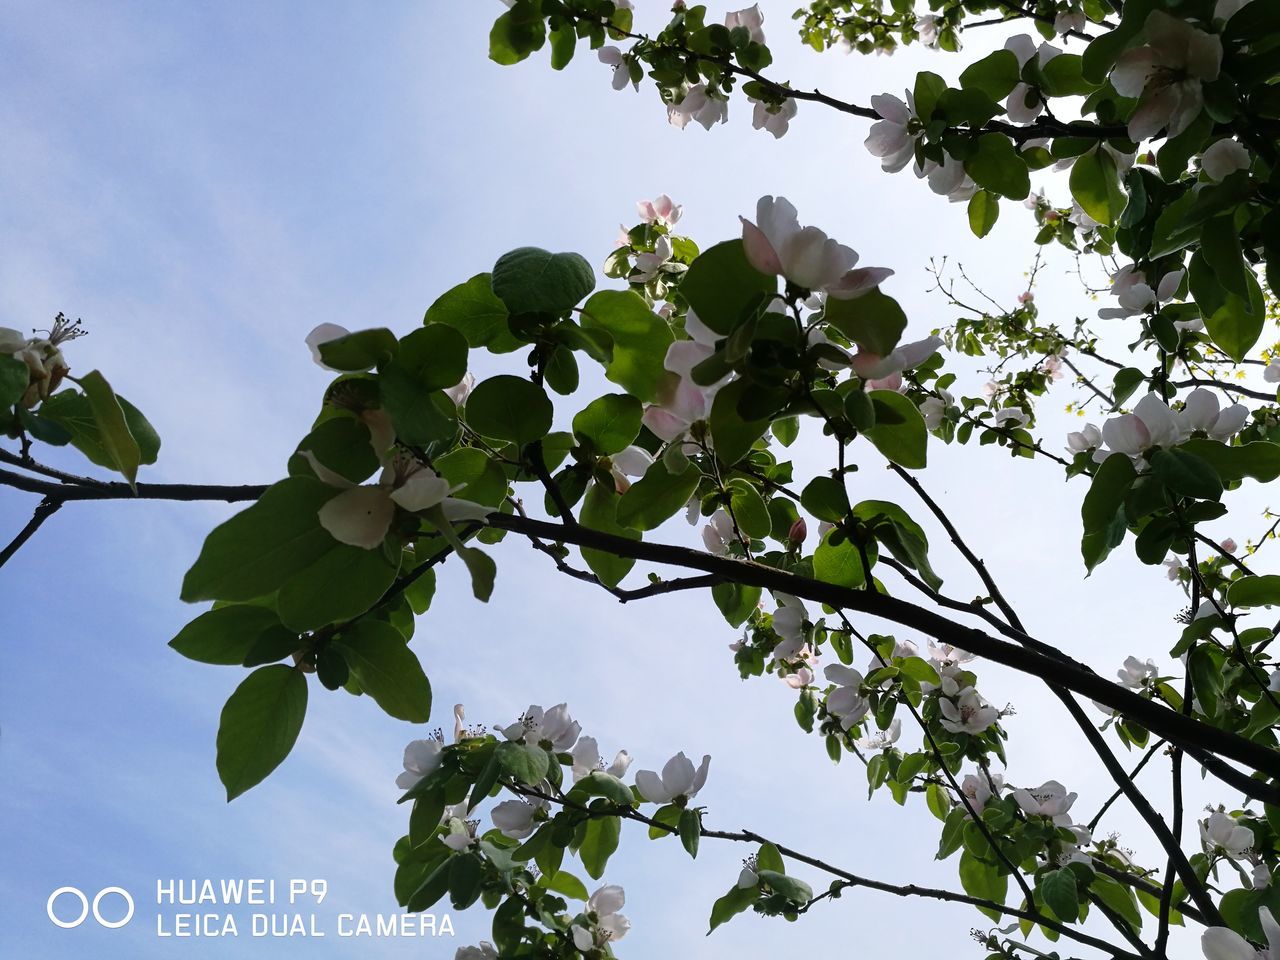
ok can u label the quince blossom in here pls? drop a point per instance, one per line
(1223, 943)
(846, 702)
(1135, 673)
(700, 106)
(587, 760)
(1050, 799)
(1220, 832)
(777, 244)
(678, 779)
(776, 119)
(967, 713)
(1167, 75)
(890, 137)
(718, 534)
(605, 923)
(1129, 287)
(977, 788)
(613, 57)
(1025, 49)
(552, 728)
(46, 366)
(751, 19)
(934, 409)
(1224, 158)
(662, 209)
(882, 739)
(361, 515)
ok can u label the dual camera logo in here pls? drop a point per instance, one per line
(59, 915)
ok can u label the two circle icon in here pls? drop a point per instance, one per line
(87, 907)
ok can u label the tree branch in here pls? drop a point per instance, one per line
(44, 510)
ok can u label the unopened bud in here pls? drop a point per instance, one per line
(799, 530)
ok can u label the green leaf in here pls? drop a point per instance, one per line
(516, 34)
(731, 904)
(826, 499)
(874, 320)
(982, 879)
(598, 845)
(1064, 77)
(532, 280)
(903, 537)
(1095, 185)
(359, 351)
(748, 509)
(1058, 887)
(1103, 509)
(1259, 459)
(984, 210)
(1235, 324)
(474, 310)
(600, 512)
(509, 408)
(721, 285)
(1259, 591)
(610, 422)
(224, 635)
(839, 563)
(256, 551)
(387, 669)
(466, 872)
(1118, 897)
(733, 434)
(995, 74)
(797, 891)
(565, 883)
(522, 762)
(996, 166)
(341, 444)
(690, 830)
(72, 411)
(640, 341)
(117, 441)
(736, 602)
(435, 357)
(14, 380)
(259, 726)
(340, 585)
(657, 497)
(1186, 474)
(904, 442)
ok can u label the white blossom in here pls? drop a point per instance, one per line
(776, 119)
(1084, 441)
(1224, 158)
(421, 757)
(1221, 832)
(1167, 75)
(700, 106)
(934, 409)
(678, 779)
(1223, 943)
(587, 760)
(882, 739)
(552, 728)
(890, 137)
(604, 923)
(514, 818)
(1016, 105)
(846, 702)
(615, 58)
(751, 19)
(1050, 799)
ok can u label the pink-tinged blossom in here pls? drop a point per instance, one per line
(751, 19)
(1129, 287)
(1152, 424)
(662, 209)
(1084, 441)
(1201, 413)
(776, 244)
(1167, 75)
(1229, 545)
(977, 788)
(906, 356)
(718, 534)
(967, 713)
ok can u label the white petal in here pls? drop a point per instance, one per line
(359, 517)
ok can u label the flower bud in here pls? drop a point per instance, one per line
(799, 530)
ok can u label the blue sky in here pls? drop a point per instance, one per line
(203, 183)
